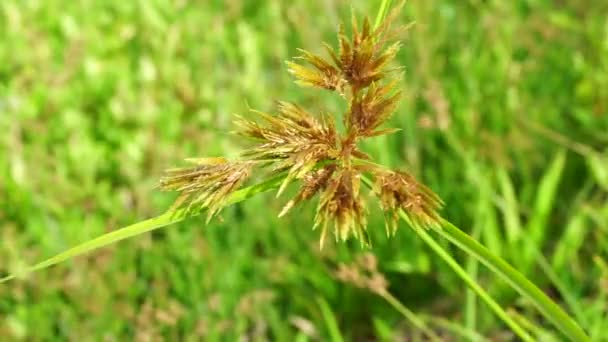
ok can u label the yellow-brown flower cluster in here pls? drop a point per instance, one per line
(308, 148)
(206, 185)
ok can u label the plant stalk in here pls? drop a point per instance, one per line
(443, 254)
(163, 220)
(551, 311)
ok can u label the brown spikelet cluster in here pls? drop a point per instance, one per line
(208, 184)
(364, 274)
(342, 203)
(294, 140)
(399, 190)
(308, 148)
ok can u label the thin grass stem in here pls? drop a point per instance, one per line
(453, 264)
(409, 315)
(551, 311)
(384, 6)
(168, 218)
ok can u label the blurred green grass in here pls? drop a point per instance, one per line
(505, 116)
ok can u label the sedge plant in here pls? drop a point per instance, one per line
(297, 145)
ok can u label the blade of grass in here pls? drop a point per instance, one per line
(409, 315)
(384, 6)
(571, 241)
(598, 165)
(600, 307)
(455, 328)
(540, 333)
(470, 312)
(518, 281)
(490, 234)
(330, 321)
(443, 254)
(565, 291)
(537, 227)
(510, 206)
(169, 217)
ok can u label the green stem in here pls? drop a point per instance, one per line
(409, 315)
(518, 281)
(170, 217)
(384, 6)
(454, 328)
(331, 322)
(443, 254)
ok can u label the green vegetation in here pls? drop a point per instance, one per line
(505, 116)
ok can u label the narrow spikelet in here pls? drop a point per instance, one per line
(399, 190)
(206, 185)
(342, 205)
(313, 182)
(324, 75)
(359, 61)
(294, 140)
(372, 109)
(363, 58)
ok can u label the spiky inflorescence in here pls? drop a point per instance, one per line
(341, 202)
(307, 147)
(294, 140)
(398, 190)
(206, 185)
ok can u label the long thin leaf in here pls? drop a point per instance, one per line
(443, 254)
(455, 328)
(410, 316)
(170, 217)
(536, 229)
(510, 206)
(384, 7)
(518, 281)
(330, 320)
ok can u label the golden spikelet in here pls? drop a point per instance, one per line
(371, 109)
(293, 140)
(207, 184)
(361, 59)
(324, 75)
(342, 204)
(399, 190)
(313, 182)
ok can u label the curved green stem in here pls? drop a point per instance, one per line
(409, 315)
(443, 254)
(384, 6)
(169, 217)
(454, 328)
(515, 279)
(548, 308)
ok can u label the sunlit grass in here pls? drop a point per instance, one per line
(97, 97)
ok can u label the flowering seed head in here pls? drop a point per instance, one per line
(371, 109)
(360, 60)
(309, 149)
(399, 190)
(293, 140)
(364, 274)
(342, 204)
(207, 184)
(313, 182)
(324, 75)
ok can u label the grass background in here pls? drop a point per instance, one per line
(505, 116)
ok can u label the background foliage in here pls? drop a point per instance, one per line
(505, 116)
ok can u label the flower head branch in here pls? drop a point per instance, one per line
(309, 149)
